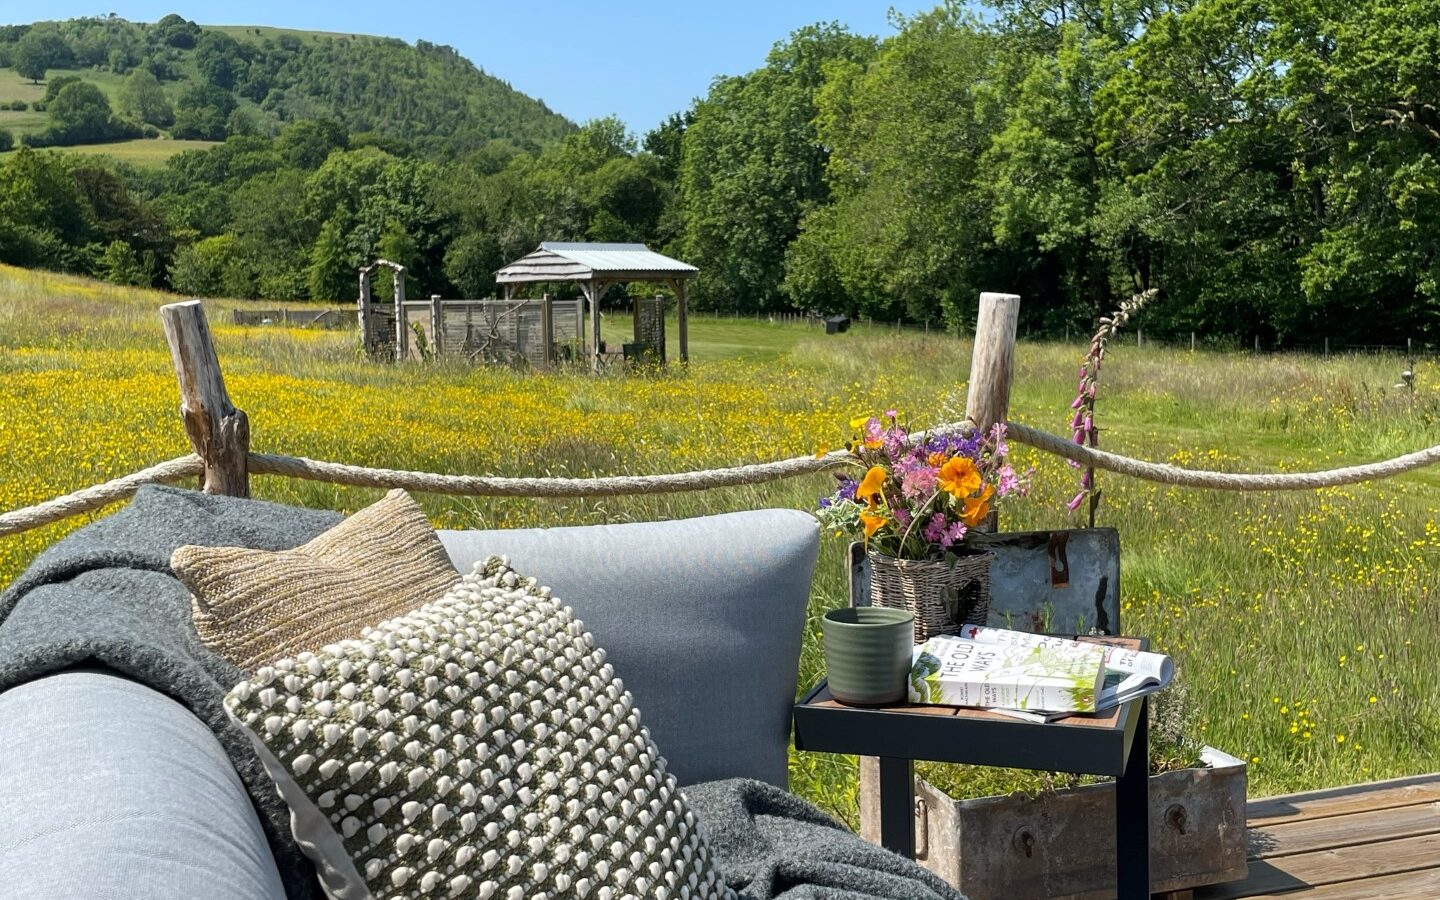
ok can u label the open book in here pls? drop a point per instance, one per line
(1127, 674)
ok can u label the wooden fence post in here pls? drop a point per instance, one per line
(992, 364)
(218, 431)
(365, 338)
(402, 323)
(437, 326)
(547, 328)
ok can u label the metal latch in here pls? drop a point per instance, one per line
(1059, 560)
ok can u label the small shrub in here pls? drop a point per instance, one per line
(7, 140)
(19, 105)
(38, 106)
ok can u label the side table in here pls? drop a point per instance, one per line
(1114, 742)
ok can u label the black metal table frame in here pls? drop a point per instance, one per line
(898, 738)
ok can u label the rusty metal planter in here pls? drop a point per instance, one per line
(1063, 844)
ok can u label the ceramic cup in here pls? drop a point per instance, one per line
(867, 654)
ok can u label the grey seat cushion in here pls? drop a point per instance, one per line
(701, 618)
(112, 791)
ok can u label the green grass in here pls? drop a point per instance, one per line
(1303, 624)
(249, 32)
(142, 153)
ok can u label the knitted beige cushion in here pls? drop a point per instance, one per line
(478, 747)
(255, 606)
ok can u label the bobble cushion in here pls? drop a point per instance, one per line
(478, 746)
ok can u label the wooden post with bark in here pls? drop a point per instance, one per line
(218, 431)
(992, 367)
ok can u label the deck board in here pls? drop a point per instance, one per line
(1372, 840)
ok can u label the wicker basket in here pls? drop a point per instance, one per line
(931, 588)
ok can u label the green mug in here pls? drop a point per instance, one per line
(868, 653)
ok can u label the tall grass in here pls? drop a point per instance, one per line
(1303, 623)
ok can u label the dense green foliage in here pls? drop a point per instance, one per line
(424, 95)
(1270, 168)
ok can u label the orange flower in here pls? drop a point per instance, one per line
(977, 508)
(870, 485)
(936, 460)
(959, 476)
(872, 522)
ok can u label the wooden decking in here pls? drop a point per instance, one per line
(1352, 843)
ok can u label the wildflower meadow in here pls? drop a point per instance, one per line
(1302, 623)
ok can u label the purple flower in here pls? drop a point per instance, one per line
(847, 489)
(1075, 504)
(826, 503)
(902, 516)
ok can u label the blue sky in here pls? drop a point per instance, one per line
(640, 60)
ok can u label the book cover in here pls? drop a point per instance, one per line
(1128, 673)
(1053, 677)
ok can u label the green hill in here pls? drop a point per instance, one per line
(213, 82)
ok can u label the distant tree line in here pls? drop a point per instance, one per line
(292, 217)
(1270, 168)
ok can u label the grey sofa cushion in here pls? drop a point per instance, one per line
(112, 791)
(701, 618)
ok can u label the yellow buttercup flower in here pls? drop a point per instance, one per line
(869, 489)
(959, 476)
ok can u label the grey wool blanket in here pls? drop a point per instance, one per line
(105, 595)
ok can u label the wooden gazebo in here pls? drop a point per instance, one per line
(596, 267)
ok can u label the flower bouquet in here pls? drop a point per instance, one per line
(918, 498)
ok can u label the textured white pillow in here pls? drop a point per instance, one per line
(479, 746)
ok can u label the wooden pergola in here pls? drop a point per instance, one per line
(596, 268)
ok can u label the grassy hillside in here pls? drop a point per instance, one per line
(424, 94)
(142, 153)
(1303, 624)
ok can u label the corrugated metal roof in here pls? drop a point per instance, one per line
(554, 261)
(618, 257)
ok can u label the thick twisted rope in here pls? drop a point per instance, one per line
(494, 486)
(95, 497)
(1220, 481)
(99, 495)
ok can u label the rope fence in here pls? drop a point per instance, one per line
(191, 466)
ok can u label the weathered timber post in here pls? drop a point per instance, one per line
(402, 325)
(992, 363)
(547, 328)
(437, 325)
(366, 339)
(218, 431)
(992, 366)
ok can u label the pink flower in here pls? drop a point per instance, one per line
(917, 480)
(1009, 481)
(1075, 504)
(953, 535)
(935, 529)
(902, 516)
